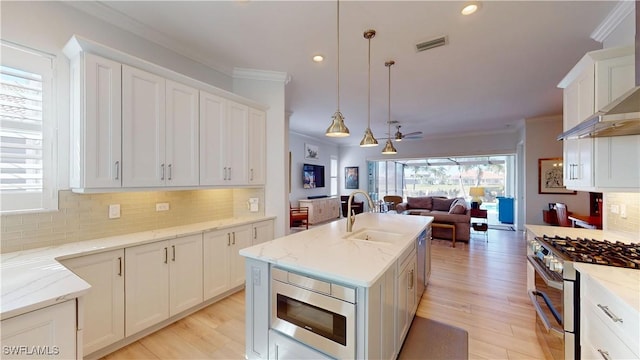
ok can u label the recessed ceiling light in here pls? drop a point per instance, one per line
(318, 58)
(470, 7)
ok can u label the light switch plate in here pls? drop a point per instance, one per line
(114, 211)
(623, 211)
(162, 206)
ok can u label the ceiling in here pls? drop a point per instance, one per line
(501, 65)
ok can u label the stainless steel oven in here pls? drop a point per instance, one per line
(317, 313)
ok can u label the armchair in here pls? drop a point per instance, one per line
(298, 214)
(356, 206)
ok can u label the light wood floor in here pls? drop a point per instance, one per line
(480, 287)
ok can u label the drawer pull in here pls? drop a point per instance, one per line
(609, 313)
(120, 266)
(605, 354)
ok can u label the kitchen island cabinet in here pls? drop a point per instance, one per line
(104, 304)
(377, 277)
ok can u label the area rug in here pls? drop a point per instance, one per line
(501, 227)
(429, 339)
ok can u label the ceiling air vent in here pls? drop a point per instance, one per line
(430, 44)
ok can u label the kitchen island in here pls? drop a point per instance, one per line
(329, 293)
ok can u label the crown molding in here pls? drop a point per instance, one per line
(613, 19)
(264, 75)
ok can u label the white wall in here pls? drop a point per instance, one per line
(540, 143)
(325, 151)
(47, 26)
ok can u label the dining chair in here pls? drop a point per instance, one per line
(298, 214)
(563, 215)
(392, 200)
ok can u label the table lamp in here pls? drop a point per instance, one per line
(476, 193)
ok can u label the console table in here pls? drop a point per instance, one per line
(322, 209)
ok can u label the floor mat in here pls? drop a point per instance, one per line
(429, 339)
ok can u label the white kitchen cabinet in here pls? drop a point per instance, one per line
(223, 265)
(143, 128)
(608, 325)
(96, 126)
(608, 163)
(45, 333)
(262, 232)
(257, 146)
(161, 279)
(223, 141)
(104, 304)
(284, 348)
(321, 209)
(160, 123)
(406, 297)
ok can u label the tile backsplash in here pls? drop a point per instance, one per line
(614, 220)
(85, 216)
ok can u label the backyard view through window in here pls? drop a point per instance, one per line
(449, 177)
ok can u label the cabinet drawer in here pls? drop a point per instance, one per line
(617, 316)
(598, 341)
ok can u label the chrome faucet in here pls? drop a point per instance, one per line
(351, 217)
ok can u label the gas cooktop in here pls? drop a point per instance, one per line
(602, 252)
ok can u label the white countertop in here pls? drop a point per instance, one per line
(324, 251)
(625, 283)
(33, 279)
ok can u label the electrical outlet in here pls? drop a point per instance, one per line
(162, 206)
(114, 211)
(623, 211)
(615, 209)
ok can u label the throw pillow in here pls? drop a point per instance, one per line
(459, 206)
(422, 202)
(442, 204)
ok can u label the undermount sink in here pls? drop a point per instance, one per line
(375, 235)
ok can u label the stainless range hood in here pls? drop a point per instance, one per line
(619, 118)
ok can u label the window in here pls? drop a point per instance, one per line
(27, 176)
(334, 176)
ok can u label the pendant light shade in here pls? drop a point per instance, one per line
(388, 147)
(368, 139)
(337, 127)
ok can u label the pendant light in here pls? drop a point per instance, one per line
(337, 127)
(388, 147)
(368, 139)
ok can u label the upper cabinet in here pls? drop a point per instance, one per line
(606, 163)
(136, 125)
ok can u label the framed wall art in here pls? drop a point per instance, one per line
(351, 177)
(311, 152)
(550, 177)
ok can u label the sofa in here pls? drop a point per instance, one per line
(444, 211)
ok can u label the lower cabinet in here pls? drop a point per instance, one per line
(49, 333)
(223, 265)
(262, 232)
(104, 304)
(162, 279)
(406, 297)
(283, 347)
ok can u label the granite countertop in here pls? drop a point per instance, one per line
(33, 279)
(625, 283)
(324, 251)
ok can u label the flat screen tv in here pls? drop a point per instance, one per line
(312, 176)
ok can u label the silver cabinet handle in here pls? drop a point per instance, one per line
(225, 173)
(229, 174)
(605, 354)
(228, 239)
(173, 250)
(170, 171)
(120, 266)
(255, 233)
(609, 313)
(118, 170)
(251, 177)
(161, 171)
(166, 255)
(234, 238)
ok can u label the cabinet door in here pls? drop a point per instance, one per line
(182, 151)
(613, 77)
(257, 146)
(146, 286)
(406, 298)
(96, 127)
(262, 232)
(216, 263)
(104, 304)
(237, 144)
(52, 329)
(284, 348)
(185, 273)
(618, 160)
(213, 112)
(240, 239)
(143, 128)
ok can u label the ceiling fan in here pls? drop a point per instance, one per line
(398, 136)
